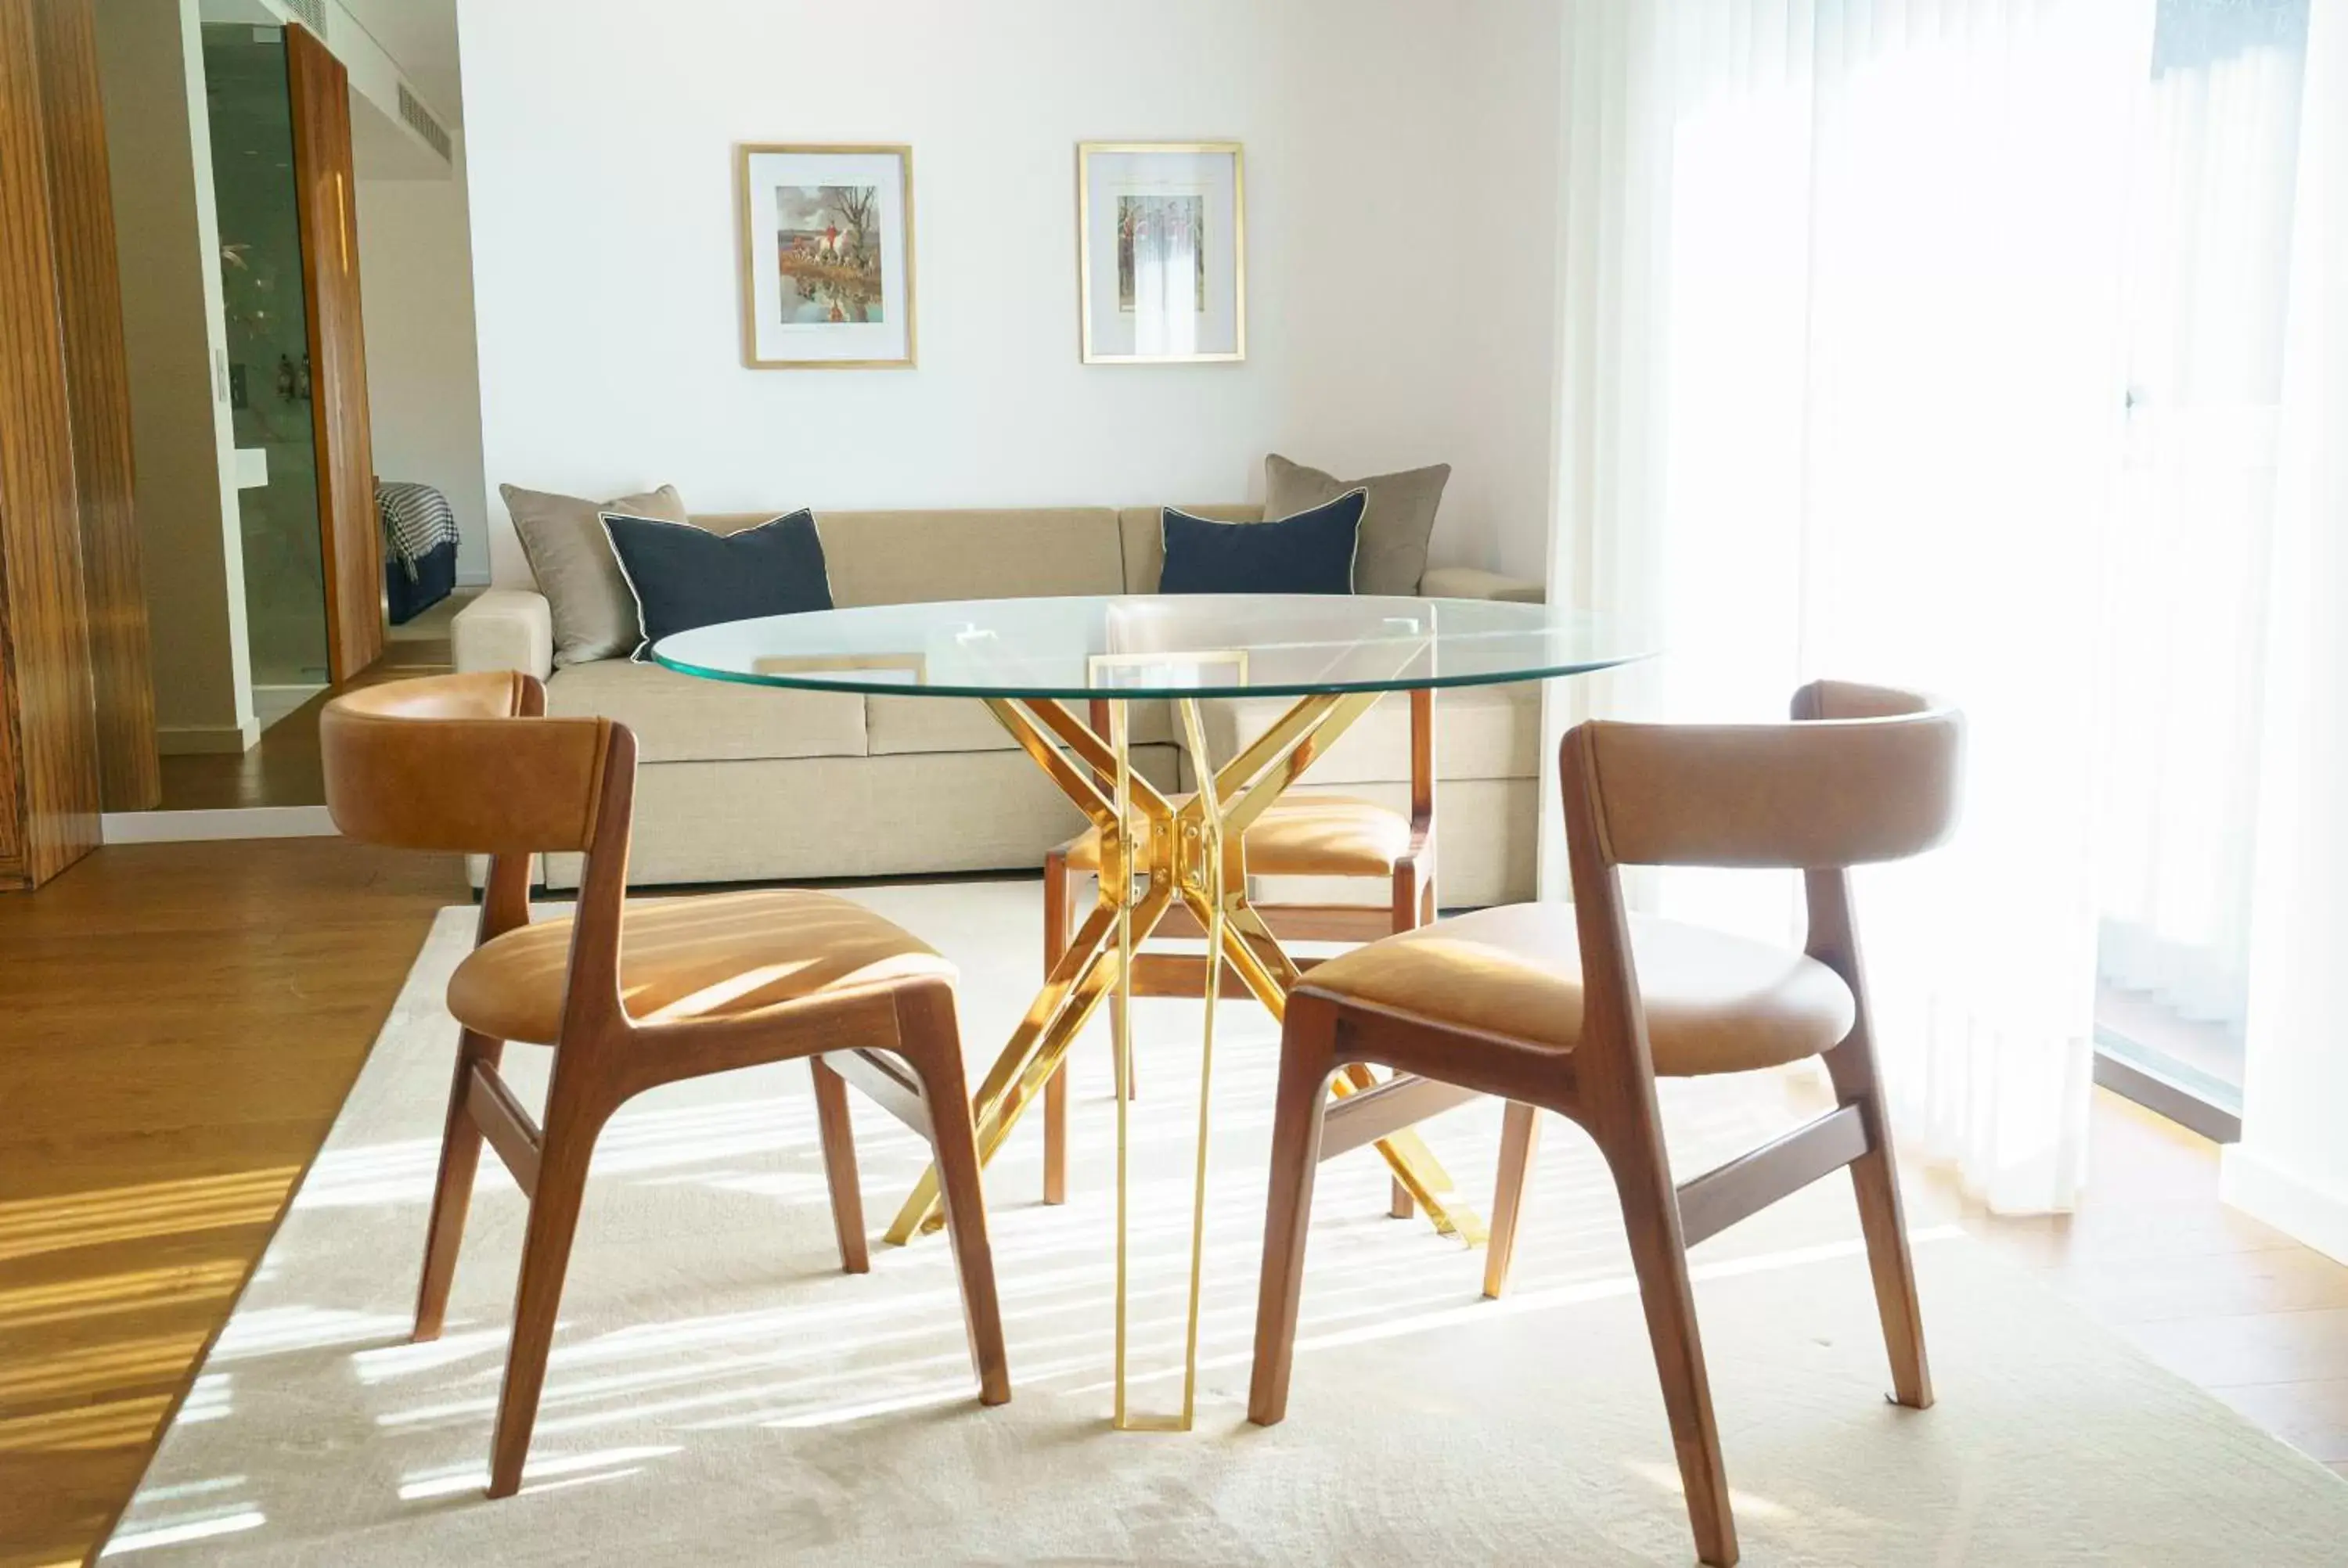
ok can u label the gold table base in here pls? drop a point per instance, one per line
(1154, 856)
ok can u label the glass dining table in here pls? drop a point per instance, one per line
(1029, 660)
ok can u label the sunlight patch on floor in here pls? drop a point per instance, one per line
(75, 1300)
(160, 1358)
(209, 1400)
(386, 1362)
(31, 1226)
(448, 1482)
(275, 1331)
(1748, 1507)
(182, 1533)
(112, 1424)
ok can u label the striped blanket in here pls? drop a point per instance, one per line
(416, 521)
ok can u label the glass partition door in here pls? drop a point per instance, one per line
(269, 359)
(2209, 270)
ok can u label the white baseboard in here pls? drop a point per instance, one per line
(207, 740)
(271, 704)
(2298, 1208)
(195, 826)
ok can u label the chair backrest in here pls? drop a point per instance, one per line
(1865, 774)
(467, 763)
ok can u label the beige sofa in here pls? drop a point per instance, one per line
(742, 783)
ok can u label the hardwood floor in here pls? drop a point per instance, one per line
(283, 768)
(2217, 1297)
(184, 1021)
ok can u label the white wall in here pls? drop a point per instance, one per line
(1510, 339)
(1400, 173)
(175, 333)
(2290, 1169)
(424, 387)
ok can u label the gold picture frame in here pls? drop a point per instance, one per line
(1108, 672)
(759, 337)
(1094, 344)
(863, 669)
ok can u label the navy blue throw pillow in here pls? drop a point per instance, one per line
(1312, 552)
(683, 576)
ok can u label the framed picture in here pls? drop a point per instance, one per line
(1162, 252)
(1143, 671)
(827, 257)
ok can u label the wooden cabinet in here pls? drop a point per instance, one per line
(58, 306)
(97, 393)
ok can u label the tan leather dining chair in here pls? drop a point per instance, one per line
(634, 996)
(1299, 836)
(1577, 1008)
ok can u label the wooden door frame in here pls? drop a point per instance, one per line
(350, 541)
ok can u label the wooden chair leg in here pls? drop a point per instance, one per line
(1405, 915)
(839, 1136)
(1307, 1063)
(569, 1143)
(932, 1047)
(1875, 1181)
(1401, 1206)
(1405, 907)
(1519, 1138)
(1650, 1214)
(452, 1191)
(1874, 1175)
(1055, 1135)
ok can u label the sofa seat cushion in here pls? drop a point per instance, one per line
(1300, 836)
(898, 725)
(720, 955)
(688, 718)
(1481, 733)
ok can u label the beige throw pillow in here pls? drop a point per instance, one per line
(594, 615)
(1392, 554)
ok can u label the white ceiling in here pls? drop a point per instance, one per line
(421, 35)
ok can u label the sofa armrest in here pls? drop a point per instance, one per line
(1470, 582)
(505, 629)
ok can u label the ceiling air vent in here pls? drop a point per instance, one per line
(312, 14)
(419, 120)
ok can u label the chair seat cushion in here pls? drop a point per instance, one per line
(1714, 1002)
(1301, 835)
(1481, 733)
(727, 955)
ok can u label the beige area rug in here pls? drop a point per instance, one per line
(719, 1393)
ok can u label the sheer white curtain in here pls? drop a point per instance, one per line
(1843, 287)
(2210, 265)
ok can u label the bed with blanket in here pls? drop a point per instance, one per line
(419, 547)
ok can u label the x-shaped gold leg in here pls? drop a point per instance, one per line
(1155, 854)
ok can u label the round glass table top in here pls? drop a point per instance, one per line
(1152, 645)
